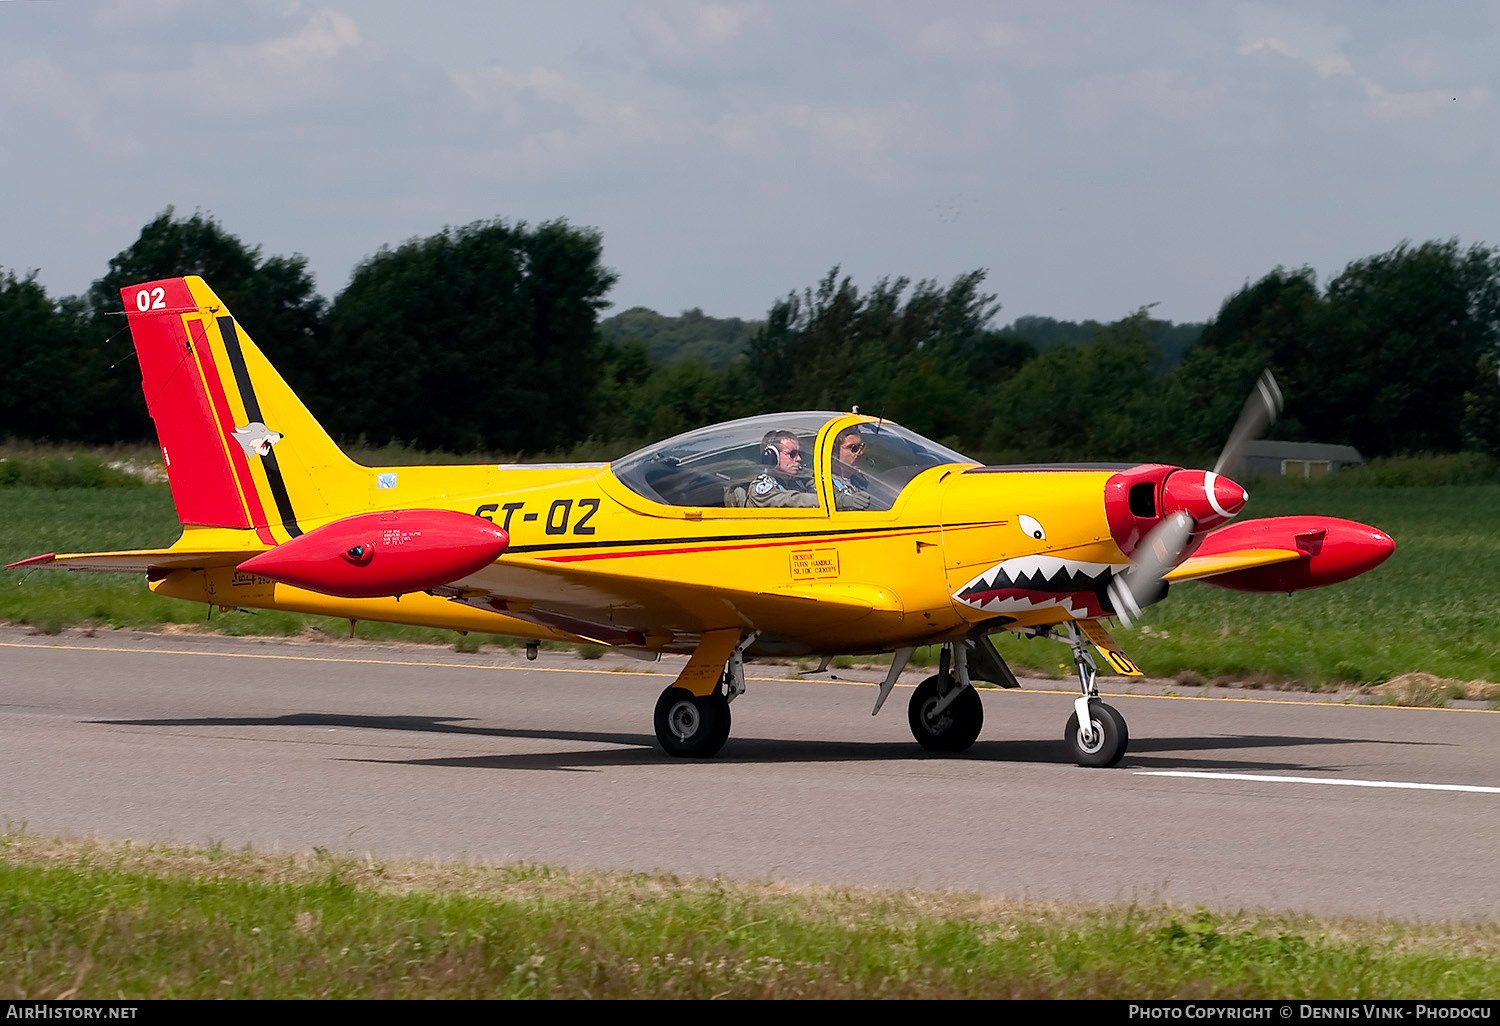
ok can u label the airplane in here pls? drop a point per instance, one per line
(671, 549)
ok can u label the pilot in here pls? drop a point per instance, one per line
(782, 483)
(849, 485)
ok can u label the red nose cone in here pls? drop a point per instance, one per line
(1210, 499)
(379, 554)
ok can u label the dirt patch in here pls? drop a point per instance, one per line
(1427, 689)
(184, 628)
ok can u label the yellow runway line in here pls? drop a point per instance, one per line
(656, 673)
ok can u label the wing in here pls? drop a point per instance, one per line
(1195, 567)
(634, 608)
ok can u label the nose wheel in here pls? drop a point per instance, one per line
(1104, 741)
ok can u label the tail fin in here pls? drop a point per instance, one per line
(240, 449)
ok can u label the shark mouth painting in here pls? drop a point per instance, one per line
(1038, 582)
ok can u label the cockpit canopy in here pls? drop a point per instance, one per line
(714, 466)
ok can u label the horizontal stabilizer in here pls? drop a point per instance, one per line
(137, 561)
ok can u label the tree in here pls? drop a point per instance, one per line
(1095, 401)
(1277, 322)
(1482, 409)
(1406, 330)
(42, 390)
(716, 341)
(476, 338)
(927, 358)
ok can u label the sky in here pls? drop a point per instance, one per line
(1092, 157)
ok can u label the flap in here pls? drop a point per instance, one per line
(641, 603)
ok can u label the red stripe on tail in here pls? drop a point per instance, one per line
(192, 447)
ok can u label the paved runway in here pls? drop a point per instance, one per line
(428, 752)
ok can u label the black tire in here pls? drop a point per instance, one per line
(958, 725)
(689, 726)
(1109, 743)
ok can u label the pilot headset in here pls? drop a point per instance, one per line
(771, 454)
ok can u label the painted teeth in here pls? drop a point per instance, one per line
(1036, 572)
(1063, 577)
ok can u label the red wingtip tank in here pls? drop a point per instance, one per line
(374, 555)
(1333, 550)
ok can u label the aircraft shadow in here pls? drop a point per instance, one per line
(641, 748)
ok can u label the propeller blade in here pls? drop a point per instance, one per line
(1261, 410)
(1158, 552)
(1162, 548)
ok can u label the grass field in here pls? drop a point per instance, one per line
(1432, 607)
(130, 921)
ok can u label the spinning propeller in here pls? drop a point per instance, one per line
(1193, 501)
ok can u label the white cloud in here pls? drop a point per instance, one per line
(1422, 103)
(325, 35)
(1160, 92)
(45, 87)
(258, 77)
(1291, 34)
(129, 12)
(971, 39)
(686, 30)
(549, 122)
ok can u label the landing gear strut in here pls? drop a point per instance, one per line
(1096, 734)
(945, 712)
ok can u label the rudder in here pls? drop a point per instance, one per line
(241, 450)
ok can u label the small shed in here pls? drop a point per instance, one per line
(1306, 460)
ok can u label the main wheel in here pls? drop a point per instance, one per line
(1105, 743)
(691, 726)
(956, 727)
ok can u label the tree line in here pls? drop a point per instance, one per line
(490, 338)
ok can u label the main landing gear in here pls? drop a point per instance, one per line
(945, 713)
(692, 714)
(1096, 733)
(692, 726)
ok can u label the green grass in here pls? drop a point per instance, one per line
(1430, 608)
(130, 922)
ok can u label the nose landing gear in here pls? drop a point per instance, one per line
(1096, 734)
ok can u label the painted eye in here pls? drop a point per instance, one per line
(1031, 527)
